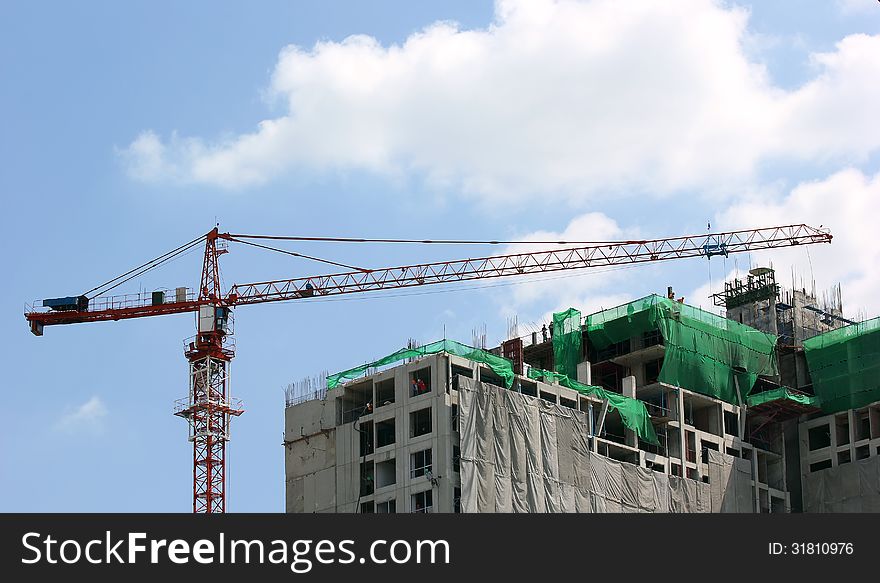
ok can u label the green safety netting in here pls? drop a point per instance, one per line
(500, 366)
(845, 366)
(782, 393)
(705, 353)
(567, 341)
(633, 412)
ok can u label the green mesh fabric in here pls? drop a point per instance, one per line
(705, 353)
(782, 393)
(845, 366)
(632, 412)
(567, 341)
(500, 366)
(623, 322)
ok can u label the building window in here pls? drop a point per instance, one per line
(549, 397)
(490, 378)
(819, 437)
(731, 423)
(385, 392)
(460, 370)
(357, 400)
(454, 417)
(420, 422)
(651, 338)
(385, 432)
(367, 508)
(420, 381)
(652, 370)
(420, 463)
(823, 465)
(387, 507)
(423, 501)
(456, 500)
(530, 389)
(386, 473)
(456, 458)
(367, 479)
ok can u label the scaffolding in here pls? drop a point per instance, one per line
(845, 366)
(759, 285)
(705, 353)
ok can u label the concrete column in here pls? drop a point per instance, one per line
(755, 490)
(584, 374)
(629, 390)
(832, 429)
(629, 387)
(681, 436)
(698, 446)
(851, 422)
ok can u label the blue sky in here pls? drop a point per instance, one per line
(130, 128)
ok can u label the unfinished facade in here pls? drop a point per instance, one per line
(406, 452)
(383, 443)
(653, 406)
(829, 406)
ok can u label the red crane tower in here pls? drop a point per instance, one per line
(209, 406)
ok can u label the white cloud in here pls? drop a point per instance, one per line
(588, 290)
(88, 417)
(567, 289)
(563, 98)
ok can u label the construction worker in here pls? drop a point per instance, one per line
(422, 387)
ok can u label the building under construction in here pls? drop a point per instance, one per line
(652, 406)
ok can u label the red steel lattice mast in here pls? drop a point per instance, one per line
(209, 406)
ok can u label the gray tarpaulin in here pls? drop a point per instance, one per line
(852, 487)
(524, 454)
(730, 480)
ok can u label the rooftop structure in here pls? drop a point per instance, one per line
(793, 314)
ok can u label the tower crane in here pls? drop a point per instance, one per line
(209, 406)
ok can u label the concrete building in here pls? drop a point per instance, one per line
(448, 433)
(403, 454)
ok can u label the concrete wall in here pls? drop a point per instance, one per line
(310, 457)
(760, 315)
(335, 470)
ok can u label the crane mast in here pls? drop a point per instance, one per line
(209, 405)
